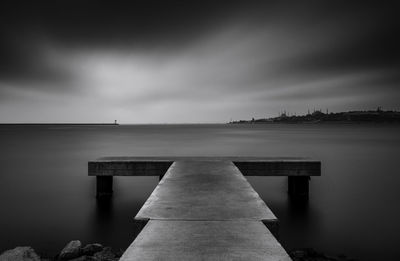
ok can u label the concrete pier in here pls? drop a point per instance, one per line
(104, 186)
(204, 208)
(204, 190)
(297, 169)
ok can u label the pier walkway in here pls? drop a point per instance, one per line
(203, 208)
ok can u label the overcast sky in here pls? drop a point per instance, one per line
(151, 62)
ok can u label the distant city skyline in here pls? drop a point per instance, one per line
(203, 62)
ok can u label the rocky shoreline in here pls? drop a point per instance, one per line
(75, 251)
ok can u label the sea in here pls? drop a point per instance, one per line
(48, 199)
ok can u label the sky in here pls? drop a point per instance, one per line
(195, 62)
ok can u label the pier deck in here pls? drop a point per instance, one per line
(298, 170)
(205, 210)
(205, 240)
(204, 190)
(249, 166)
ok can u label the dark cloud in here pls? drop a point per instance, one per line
(156, 52)
(125, 23)
(370, 28)
(25, 26)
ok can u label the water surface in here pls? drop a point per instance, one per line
(47, 198)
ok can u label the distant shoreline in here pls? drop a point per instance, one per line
(317, 123)
(317, 117)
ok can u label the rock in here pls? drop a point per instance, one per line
(71, 250)
(309, 254)
(91, 249)
(298, 253)
(105, 255)
(119, 253)
(83, 258)
(20, 254)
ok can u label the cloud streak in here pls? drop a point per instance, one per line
(242, 61)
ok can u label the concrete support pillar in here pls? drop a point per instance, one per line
(104, 186)
(298, 186)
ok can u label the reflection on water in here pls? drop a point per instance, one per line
(298, 205)
(104, 211)
(47, 198)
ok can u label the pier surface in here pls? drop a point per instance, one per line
(205, 209)
(204, 190)
(205, 240)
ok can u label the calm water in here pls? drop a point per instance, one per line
(47, 198)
